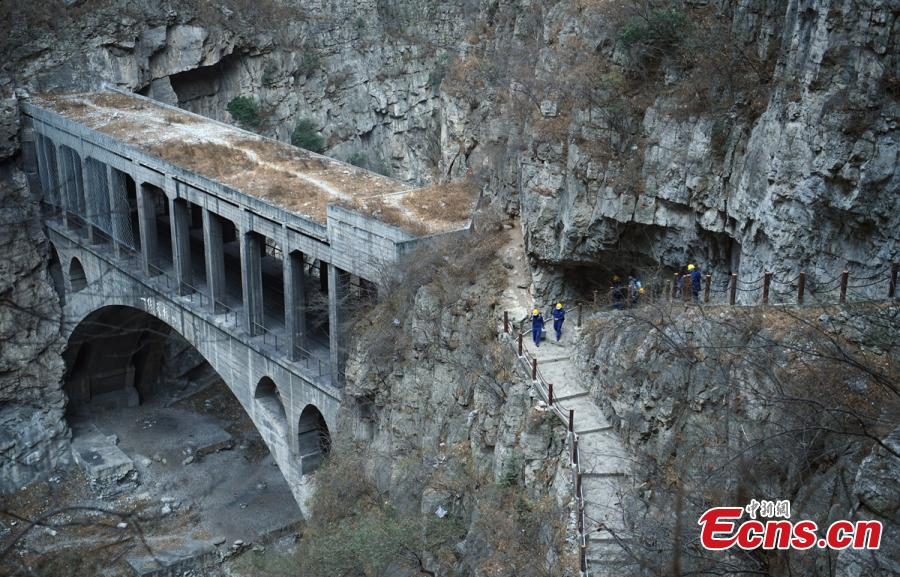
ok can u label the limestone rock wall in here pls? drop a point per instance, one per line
(724, 407)
(445, 415)
(365, 73)
(782, 159)
(33, 433)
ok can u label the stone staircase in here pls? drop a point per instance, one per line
(605, 463)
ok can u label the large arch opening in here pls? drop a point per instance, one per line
(153, 421)
(77, 277)
(314, 442)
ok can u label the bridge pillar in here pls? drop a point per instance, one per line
(90, 204)
(251, 281)
(147, 228)
(181, 244)
(60, 184)
(215, 260)
(118, 208)
(295, 303)
(338, 280)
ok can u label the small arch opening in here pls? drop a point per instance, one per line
(314, 439)
(268, 397)
(77, 278)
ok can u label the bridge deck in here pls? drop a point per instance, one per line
(292, 178)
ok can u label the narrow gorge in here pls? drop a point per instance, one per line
(303, 346)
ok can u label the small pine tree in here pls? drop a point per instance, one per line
(245, 111)
(306, 135)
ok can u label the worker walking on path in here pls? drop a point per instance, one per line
(559, 315)
(695, 282)
(537, 326)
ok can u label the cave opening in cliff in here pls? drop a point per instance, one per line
(152, 420)
(199, 87)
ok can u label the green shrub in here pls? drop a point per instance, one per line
(245, 111)
(359, 159)
(309, 62)
(436, 77)
(268, 77)
(649, 38)
(306, 135)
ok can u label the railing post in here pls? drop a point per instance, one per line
(706, 289)
(579, 314)
(575, 449)
(533, 369)
(801, 288)
(892, 289)
(733, 289)
(845, 277)
(506, 321)
(767, 278)
(630, 296)
(550, 394)
(688, 288)
(583, 557)
(571, 420)
(520, 344)
(595, 297)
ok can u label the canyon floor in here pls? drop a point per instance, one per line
(203, 488)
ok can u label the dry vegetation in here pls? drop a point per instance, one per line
(765, 403)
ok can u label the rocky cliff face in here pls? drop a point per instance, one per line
(444, 415)
(364, 73)
(722, 408)
(33, 433)
(741, 135)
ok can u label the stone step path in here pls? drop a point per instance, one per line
(605, 463)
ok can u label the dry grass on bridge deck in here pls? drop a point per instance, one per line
(290, 177)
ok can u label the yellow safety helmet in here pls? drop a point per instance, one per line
(641, 290)
(691, 267)
(559, 305)
(615, 277)
(535, 312)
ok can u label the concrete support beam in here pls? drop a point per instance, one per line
(338, 280)
(215, 260)
(295, 303)
(118, 208)
(147, 225)
(251, 282)
(60, 184)
(90, 205)
(181, 244)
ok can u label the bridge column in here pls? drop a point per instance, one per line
(181, 244)
(90, 204)
(251, 281)
(215, 260)
(338, 280)
(295, 303)
(60, 184)
(118, 208)
(147, 228)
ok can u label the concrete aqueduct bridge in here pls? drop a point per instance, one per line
(250, 249)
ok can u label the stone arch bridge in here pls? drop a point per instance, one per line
(253, 251)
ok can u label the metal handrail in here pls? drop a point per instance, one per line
(543, 388)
